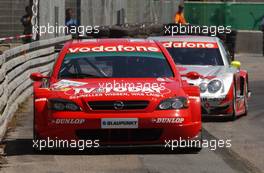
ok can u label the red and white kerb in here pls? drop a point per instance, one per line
(16, 37)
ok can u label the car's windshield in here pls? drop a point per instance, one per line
(115, 65)
(196, 56)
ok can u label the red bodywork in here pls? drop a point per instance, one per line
(148, 132)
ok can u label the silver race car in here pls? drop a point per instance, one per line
(205, 61)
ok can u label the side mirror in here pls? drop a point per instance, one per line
(37, 77)
(192, 75)
(235, 64)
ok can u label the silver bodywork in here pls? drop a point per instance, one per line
(224, 73)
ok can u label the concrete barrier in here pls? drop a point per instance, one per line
(16, 65)
(249, 42)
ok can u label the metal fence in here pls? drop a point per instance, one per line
(11, 12)
(16, 65)
(111, 12)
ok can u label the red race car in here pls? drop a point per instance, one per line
(118, 92)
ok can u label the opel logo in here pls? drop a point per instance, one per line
(119, 105)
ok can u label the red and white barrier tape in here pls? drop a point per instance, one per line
(15, 37)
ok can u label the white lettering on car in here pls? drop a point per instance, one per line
(167, 120)
(119, 48)
(190, 44)
(68, 121)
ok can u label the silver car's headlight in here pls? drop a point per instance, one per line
(214, 86)
(203, 87)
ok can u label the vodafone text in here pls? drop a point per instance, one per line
(118, 48)
(189, 44)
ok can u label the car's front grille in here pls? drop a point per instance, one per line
(119, 135)
(111, 105)
(220, 109)
(215, 110)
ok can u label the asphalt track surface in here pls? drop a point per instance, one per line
(245, 155)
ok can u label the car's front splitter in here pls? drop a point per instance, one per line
(152, 128)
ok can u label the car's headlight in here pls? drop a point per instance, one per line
(173, 103)
(203, 87)
(214, 86)
(62, 105)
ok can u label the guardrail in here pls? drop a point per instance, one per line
(16, 65)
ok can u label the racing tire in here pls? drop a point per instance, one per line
(233, 116)
(246, 99)
(35, 138)
(197, 149)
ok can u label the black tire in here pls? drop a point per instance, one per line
(197, 149)
(245, 99)
(233, 116)
(35, 138)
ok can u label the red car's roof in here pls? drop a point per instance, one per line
(112, 45)
(112, 41)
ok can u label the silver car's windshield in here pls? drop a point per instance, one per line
(196, 56)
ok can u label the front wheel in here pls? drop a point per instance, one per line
(246, 99)
(233, 116)
(197, 148)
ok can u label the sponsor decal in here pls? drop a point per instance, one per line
(182, 68)
(119, 123)
(68, 121)
(164, 80)
(41, 100)
(67, 83)
(167, 120)
(161, 79)
(177, 44)
(63, 85)
(133, 87)
(118, 89)
(116, 92)
(119, 48)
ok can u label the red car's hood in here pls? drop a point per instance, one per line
(121, 88)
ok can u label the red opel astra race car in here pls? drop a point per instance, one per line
(117, 91)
